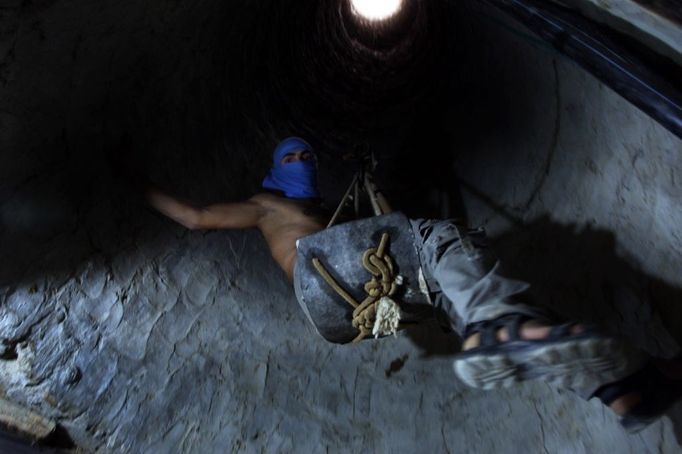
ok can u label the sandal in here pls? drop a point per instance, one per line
(658, 393)
(562, 359)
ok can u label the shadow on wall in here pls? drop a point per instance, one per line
(577, 273)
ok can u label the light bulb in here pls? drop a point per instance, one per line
(376, 9)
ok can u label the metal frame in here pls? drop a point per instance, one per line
(363, 180)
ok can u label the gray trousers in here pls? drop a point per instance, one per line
(463, 276)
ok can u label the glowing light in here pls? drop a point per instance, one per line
(376, 9)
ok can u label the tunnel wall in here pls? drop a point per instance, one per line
(136, 335)
(562, 150)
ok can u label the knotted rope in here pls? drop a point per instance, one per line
(377, 314)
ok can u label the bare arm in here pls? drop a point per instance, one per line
(239, 215)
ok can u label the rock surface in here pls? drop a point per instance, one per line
(138, 336)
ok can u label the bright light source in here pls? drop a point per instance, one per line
(376, 9)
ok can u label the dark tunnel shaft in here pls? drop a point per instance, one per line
(136, 335)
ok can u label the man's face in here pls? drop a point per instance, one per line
(298, 155)
(294, 170)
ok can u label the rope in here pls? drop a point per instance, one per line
(363, 180)
(377, 314)
(330, 280)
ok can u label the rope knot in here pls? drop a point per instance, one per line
(378, 314)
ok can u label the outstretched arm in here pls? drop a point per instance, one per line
(238, 215)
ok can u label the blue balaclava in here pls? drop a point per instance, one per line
(297, 180)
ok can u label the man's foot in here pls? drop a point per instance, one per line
(643, 397)
(514, 347)
(531, 329)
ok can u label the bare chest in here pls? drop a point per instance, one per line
(282, 227)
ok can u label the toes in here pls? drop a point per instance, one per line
(472, 341)
(529, 330)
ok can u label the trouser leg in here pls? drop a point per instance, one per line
(464, 276)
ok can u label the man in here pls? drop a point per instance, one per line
(504, 340)
(282, 219)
